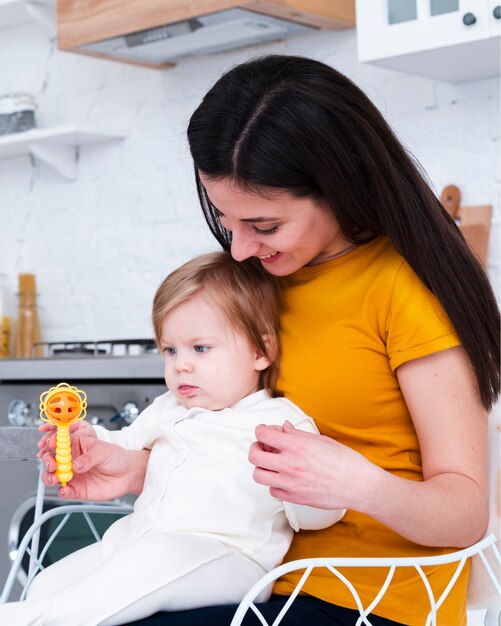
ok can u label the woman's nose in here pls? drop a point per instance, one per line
(243, 246)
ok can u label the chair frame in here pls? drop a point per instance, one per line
(30, 542)
(460, 557)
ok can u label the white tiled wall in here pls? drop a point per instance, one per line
(100, 245)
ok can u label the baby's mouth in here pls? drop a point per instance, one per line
(186, 390)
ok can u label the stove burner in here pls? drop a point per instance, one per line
(77, 350)
(89, 349)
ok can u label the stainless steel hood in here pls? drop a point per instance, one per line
(215, 32)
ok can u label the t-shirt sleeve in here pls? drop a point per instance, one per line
(417, 324)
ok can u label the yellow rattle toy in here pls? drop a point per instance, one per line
(61, 406)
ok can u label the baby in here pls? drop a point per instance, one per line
(202, 531)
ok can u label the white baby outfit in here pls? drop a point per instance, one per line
(202, 531)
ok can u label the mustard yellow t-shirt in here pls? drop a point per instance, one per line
(348, 324)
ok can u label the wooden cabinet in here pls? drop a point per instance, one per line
(450, 40)
(84, 23)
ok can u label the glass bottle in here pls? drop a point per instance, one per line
(28, 327)
(5, 326)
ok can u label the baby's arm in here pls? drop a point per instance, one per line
(144, 430)
(300, 516)
(131, 437)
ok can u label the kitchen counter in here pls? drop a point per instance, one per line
(19, 444)
(139, 367)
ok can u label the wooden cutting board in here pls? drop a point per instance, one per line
(473, 221)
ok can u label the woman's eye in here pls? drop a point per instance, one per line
(170, 351)
(267, 231)
(201, 349)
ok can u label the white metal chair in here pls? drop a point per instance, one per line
(460, 557)
(484, 554)
(30, 542)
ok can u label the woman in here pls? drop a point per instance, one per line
(390, 336)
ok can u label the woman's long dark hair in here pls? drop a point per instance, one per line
(297, 124)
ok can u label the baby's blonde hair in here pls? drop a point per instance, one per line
(249, 297)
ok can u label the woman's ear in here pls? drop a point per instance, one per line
(262, 361)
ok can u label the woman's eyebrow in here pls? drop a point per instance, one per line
(253, 220)
(257, 220)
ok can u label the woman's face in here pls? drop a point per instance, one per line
(283, 231)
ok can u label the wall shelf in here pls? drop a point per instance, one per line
(55, 146)
(17, 12)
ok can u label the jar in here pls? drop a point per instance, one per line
(17, 113)
(5, 321)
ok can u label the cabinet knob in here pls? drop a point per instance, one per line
(469, 19)
(497, 12)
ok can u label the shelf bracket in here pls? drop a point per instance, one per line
(62, 158)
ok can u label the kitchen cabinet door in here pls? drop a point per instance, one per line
(494, 17)
(451, 40)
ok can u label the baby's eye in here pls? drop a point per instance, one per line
(170, 351)
(201, 349)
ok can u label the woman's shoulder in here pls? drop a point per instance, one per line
(383, 256)
(387, 264)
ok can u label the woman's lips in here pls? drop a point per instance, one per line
(270, 259)
(186, 390)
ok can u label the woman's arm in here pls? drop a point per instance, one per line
(449, 508)
(451, 425)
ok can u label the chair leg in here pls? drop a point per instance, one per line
(492, 617)
(38, 512)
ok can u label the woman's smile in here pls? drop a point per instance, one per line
(269, 258)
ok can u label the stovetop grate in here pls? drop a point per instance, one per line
(111, 347)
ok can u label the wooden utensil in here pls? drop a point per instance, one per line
(451, 198)
(473, 221)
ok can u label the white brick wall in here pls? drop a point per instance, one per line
(100, 245)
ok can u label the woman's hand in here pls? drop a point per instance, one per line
(101, 471)
(311, 469)
(48, 442)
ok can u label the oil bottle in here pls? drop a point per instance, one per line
(28, 326)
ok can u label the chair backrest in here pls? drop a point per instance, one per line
(481, 593)
(458, 558)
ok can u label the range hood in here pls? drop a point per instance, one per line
(215, 32)
(156, 33)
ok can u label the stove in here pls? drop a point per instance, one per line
(120, 378)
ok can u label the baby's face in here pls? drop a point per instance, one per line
(208, 363)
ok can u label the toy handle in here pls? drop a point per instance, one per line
(64, 472)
